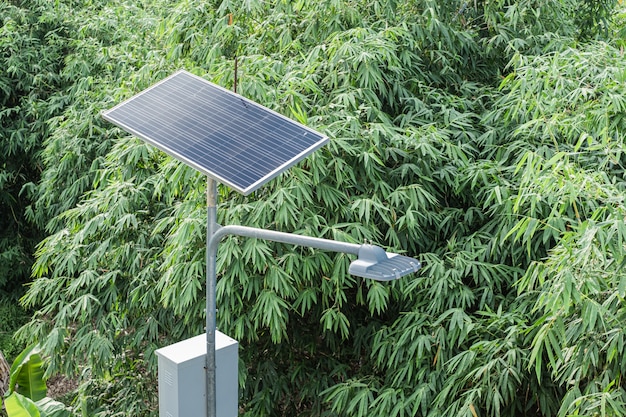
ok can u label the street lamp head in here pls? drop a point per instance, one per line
(374, 263)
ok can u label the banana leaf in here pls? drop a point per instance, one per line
(18, 405)
(27, 374)
(52, 408)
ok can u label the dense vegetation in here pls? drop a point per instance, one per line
(485, 138)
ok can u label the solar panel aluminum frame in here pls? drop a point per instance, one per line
(109, 115)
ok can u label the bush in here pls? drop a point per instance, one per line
(12, 317)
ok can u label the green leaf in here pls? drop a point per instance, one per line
(30, 380)
(377, 297)
(20, 361)
(19, 406)
(52, 408)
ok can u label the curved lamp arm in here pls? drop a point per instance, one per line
(373, 262)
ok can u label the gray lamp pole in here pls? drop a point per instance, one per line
(198, 123)
(373, 263)
(211, 279)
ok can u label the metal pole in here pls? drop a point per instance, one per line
(211, 278)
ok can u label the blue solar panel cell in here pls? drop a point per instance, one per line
(230, 138)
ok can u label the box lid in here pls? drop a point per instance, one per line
(191, 348)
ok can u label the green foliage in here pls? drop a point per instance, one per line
(12, 317)
(26, 376)
(618, 28)
(482, 137)
(31, 45)
(19, 406)
(594, 17)
(570, 197)
(26, 396)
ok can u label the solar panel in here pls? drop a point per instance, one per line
(226, 136)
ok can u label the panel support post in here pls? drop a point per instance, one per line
(211, 279)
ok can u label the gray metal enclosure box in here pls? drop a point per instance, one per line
(182, 380)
